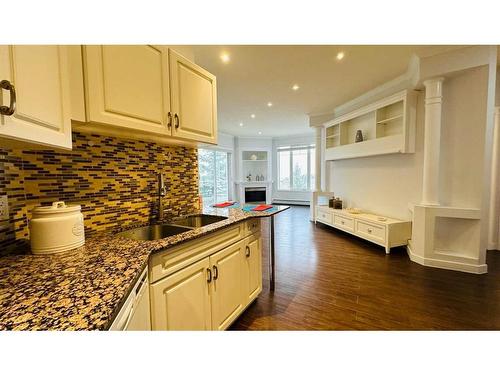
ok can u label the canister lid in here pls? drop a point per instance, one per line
(56, 208)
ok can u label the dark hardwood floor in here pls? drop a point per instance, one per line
(329, 280)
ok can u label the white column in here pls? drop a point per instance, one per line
(493, 232)
(317, 161)
(432, 140)
(317, 173)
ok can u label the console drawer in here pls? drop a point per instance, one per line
(372, 231)
(343, 222)
(324, 216)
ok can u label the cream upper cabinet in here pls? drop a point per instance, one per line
(128, 87)
(40, 78)
(182, 301)
(252, 269)
(227, 301)
(194, 100)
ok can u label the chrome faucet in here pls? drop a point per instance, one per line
(162, 192)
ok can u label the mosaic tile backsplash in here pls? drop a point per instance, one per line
(114, 180)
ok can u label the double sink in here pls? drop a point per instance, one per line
(159, 231)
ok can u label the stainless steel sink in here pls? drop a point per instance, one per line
(153, 232)
(197, 221)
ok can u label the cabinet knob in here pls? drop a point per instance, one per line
(247, 252)
(369, 230)
(4, 110)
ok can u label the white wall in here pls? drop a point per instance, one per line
(384, 184)
(297, 196)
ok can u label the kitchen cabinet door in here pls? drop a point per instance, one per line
(128, 87)
(194, 100)
(252, 269)
(41, 80)
(182, 301)
(227, 301)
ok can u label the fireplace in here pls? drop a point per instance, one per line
(255, 194)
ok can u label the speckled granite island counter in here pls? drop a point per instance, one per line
(83, 289)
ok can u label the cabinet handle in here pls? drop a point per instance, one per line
(4, 110)
(369, 230)
(247, 252)
(209, 275)
(176, 119)
(169, 121)
(216, 272)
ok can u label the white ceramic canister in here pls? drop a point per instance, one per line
(56, 228)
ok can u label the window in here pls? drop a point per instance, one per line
(296, 167)
(213, 168)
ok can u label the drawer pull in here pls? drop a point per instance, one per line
(342, 221)
(369, 230)
(209, 275)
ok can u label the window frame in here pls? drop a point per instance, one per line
(291, 148)
(229, 154)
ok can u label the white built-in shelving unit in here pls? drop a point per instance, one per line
(388, 126)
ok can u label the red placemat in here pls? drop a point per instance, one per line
(262, 207)
(223, 204)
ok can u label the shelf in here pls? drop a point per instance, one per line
(389, 119)
(253, 160)
(332, 136)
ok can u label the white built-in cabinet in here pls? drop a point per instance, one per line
(381, 230)
(39, 80)
(387, 127)
(148, 89)
(207, 284)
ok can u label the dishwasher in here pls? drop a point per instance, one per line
(135, 313)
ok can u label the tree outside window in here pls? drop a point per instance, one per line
(296, 168)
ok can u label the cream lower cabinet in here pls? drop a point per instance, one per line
(212, 292)
(142, 89)
(227, 293)
(182, 301)
(252, 268)
(40, 78)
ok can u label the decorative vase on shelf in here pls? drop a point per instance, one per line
(253, 157)
(359, 136)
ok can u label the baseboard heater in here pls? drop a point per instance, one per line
(292, 201)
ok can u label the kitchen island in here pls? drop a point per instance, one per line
(85, 288)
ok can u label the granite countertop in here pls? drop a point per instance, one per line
(84, 288)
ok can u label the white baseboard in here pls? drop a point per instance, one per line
(290, 201)
(446, 264)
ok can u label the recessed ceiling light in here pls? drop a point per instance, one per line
(260, 133)
(269, 104)
(225, 57)
(340, 55)
(295, 87)
(252, 115)
(241, 124)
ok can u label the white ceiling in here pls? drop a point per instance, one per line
(257, 75)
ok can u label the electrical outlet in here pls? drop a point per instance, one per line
(4, 207)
